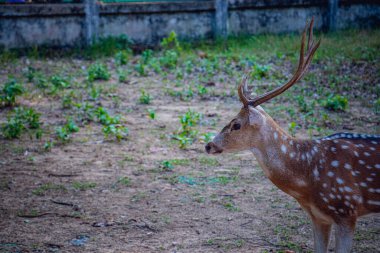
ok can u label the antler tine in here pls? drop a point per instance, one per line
(242, 91)
(310, 40)
(301, 70)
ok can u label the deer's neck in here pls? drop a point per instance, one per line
(285, 160)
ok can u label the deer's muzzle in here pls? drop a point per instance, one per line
(212, 148)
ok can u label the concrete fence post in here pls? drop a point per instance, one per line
(332, 13)
(92, 21)
(221, 18)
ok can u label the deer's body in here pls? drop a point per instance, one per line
(335, 179)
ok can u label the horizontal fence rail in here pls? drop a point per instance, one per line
(74, 22)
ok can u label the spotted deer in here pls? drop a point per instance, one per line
(335, 179)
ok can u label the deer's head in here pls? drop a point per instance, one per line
(245, 130)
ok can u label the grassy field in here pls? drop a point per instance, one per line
(102, 148)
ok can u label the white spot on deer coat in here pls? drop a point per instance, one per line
(283, 148)
(330, 174)
(339, 180)
(335, 163)
(373, 202)
(347, 166)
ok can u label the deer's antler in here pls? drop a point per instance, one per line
(304, 62)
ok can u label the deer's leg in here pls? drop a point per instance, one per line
(344, 234)
(321, 233)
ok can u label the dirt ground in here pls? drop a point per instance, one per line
(97, 195)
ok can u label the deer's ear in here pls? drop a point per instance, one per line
(255, 118)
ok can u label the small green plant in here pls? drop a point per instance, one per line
(123, 76)
(98, 71)
(187, 132)
(40, 81)
(41, 190)
(152, 114)
(13, 128)
(146, 56)
(207, 137)
(63, 132)
(59, 82)
(259, 71)
(30, 74)
(121, 57)
(145, 97)
(82, 186)
(292, 128)
(10, 91)
(95, 92)
(48, 145)
(67, 100)
(335, 103)
(116, 130)
(71, 126)
(169, 59)
(22, 119)
(166, 165)
(141, 68)
(202, 90)
(124, 181)
(171, 42)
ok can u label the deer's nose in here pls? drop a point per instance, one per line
(212, 148)
(208, 148)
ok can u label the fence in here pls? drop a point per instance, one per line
(72, 24)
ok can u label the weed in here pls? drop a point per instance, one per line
(208, 161)
(41, 190)
(259, 71)
(202, 90)
(187, 134)
(116, 130)
(152, 114)
(121, 57)
(335, 103)
(292, 128)
(230, 207)
(123, 76)
(183, 162)
(166, 165)
(146, 56)
(145, 97)
(98, 71)
(206, 137)
(10, 91)
(62, 134)
(95, 92)
(126, 181)
(59, 82)
(169, 59)
(67, 100)
(40, 81)
(48, 145)
(71, 126)
(22, 119)
(171, 42)
(82, 186)
(141, 68)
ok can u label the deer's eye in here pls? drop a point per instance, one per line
(235, 126)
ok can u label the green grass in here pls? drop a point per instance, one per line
(43, 189)
(82, 186)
